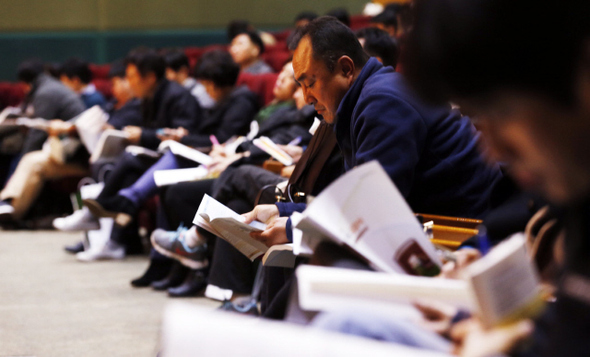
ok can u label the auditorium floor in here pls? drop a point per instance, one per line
(53, 305)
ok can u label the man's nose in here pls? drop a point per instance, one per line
(309, 99)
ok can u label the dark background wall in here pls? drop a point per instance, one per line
(103, 30)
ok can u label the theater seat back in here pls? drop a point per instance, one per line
(261, 84)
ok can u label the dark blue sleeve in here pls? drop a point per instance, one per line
(289, 228)
(388, 129)
(287, 208)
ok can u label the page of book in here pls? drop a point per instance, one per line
(171, 177)
(190, 330)
(90, 126)
(111, 143)
(506, 283)
(269, 147)
(227, 224)
(364, 210)
(326, 288)
(186, 152)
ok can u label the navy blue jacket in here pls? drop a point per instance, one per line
(429, 152)
(171, 107)
(128, 114)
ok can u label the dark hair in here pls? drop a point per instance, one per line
(237, 27)
(176, 59)
(147, 61)
(29, 70)
(219, 67)
(306, 15)
(386, 17)
(378, 43)
(341, 14)
(256, 40)
(76, 67)
(117, 69)
(330, 40)
(471, 48)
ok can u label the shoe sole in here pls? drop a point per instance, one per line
(88, 227)
(121, 219)
(189, 263)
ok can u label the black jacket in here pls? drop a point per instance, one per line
(171, 107)
(128, 114)
(230, 116)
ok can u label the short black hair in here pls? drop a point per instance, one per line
(306, 15)
(386, 17)
(29, 70)
(330, 40)
(117, 69)
(76, 67)
(147, 61)
(341, 14)
(378, 43)
(237, 27)
(219, 67)
(472, 48)
(176, 59)
(255, 38)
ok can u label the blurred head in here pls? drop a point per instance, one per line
(177, 66)
(121, 90)
(326, 61)
(285, 85)
(145, 68)
(491, 57)
(75, 74)
(299, 98)
(218, 72)
(28, 71)
(377, 43)
(386, 21)
(304, 17)
(237, 27)
(341, 14)
(246, 48)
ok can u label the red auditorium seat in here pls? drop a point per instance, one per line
(11, 94)
(276, 60)
(100, 71)
(359, 21)
(261, 84)
(104, 86)
(283, 35)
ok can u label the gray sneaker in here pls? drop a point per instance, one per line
(172, 244)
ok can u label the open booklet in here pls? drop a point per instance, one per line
(111, 144)
(500, 288)
(268, 146)
(174, 176)
(185, 151)
(90, 125)
(220, 220)
(365, 211)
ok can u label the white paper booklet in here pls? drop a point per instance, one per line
(190, 330)
(90, 126)
(218, 219)
(111, 144)
(171, 177)
(506, 284)
(269, 147)
(364, 210)
(185, 151)
(324, 289)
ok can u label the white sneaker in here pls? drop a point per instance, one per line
(110, 251)
(6, 209)
(81, 220)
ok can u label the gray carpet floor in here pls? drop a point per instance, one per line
(53, 305)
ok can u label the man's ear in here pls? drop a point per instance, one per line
(346, 67)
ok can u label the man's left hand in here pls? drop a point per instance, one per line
(275, 233)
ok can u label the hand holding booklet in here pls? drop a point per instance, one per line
(365, 211)
(220, 220)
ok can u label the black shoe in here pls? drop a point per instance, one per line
(176, 277)
(157, 270)
(118, 207)
(194, 283)
(75, 248)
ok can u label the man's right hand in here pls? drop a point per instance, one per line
(263, 213)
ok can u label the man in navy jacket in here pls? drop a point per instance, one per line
(430, 153)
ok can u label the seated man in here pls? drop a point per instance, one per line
(178, 70)
(430, 153)
(246, 49)
(38, 166)
(76, 75)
